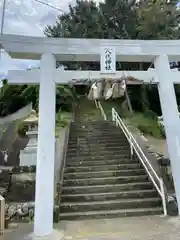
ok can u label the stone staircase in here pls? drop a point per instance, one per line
(100, 179)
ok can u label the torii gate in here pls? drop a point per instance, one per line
(48, 50)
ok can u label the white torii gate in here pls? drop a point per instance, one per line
(48, 50)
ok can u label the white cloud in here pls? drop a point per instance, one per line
(27, 17)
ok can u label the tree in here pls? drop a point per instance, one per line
(118, 18)
(31, 94)
(14, 97)
(158, 19)
(10, 98)
(112, 19)
(81, 21)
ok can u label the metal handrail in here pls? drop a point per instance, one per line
(134, 147)
(99, 106)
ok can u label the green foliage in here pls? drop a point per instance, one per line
(108, 104)
(124, 111)
(145, 122)
(62, 119)
(113, 19)
(150, 114)
(65, 95)
(10, 99)
(158, 19)
(147, 125)
(118, 19)
(14, 97)
(31, 94)
(120, 106)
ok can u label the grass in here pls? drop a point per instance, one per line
(62, 119)
(87, 111)
(146, 123)
(107, 106)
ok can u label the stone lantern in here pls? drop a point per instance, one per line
(29, 154)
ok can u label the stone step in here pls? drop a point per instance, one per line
(111, 213)
(85, 126)
(96, 137)
(109, 205)
(95, 146)
(99, 141)
(110, 167)
(106, 145)
(100, 179)
(93, 124)
(96, 150)
(110, 154)
(102, 174)
(81, 162)
(97, 132)
(98, 121)
(108, 196)
(81, 152)
(106, 180)
(107, 188)
(120, 157)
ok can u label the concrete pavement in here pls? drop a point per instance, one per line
(136, 228)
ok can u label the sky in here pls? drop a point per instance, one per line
(27, 17)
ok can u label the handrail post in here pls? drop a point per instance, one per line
(96, 103)
(163, 197)
(113, 116)
(116, 118)
(131, 147)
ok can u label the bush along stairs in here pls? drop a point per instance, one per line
(100, 178)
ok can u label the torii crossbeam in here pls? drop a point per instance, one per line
(86, 77)
(48, 50)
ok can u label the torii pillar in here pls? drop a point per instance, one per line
(170, 116)
(44, 196)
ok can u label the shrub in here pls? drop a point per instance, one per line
(150, 129)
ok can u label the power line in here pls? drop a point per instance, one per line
(3, 13)
(2, 28)
(49, 5)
